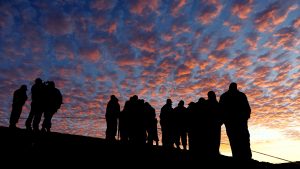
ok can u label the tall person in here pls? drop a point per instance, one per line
(236, 109)
(112, 116)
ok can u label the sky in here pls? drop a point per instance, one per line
(158, 49)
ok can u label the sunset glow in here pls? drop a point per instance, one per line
(157, 49)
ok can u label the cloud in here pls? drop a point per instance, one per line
(63, 50)
(112, 28)
(252, 40)
(232, 27)
(273, 16)
(90, 53)
(144, 42)
(225, 43)
(177, 6)
(57, 23)
(204, 46)
(285, 38)
(102, 4)
(242, 9)
(296, 23)
(211, 9)
(141, 7)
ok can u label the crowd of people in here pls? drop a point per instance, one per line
(46, 99)
(197, 126)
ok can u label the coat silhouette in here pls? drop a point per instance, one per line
(111, 116)
(236, 109)
(19, 100)
(53, 101)
(213, 119)
(166, 114)
(37, 105)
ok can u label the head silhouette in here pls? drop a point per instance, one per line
(169, 101)
(113, 97)
(201, 100)
(181, 103)
(211, 95)
(233, 87)
(51, 84)
(23, 87)
(38, 81)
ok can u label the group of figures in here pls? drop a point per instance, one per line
(45, 99)
(197, 126)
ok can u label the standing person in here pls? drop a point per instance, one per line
(236, 109)
(53, 101)
(214, 124)
(37, 105)
(166, 124)
(112, 116)
(151, 124)
(180, 125)
(19, 100)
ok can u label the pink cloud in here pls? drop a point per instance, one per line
(167, 37)
(179, 29)
(208, 14)
(225, 43)
(90, 53)
(272, 17)
(177, 6)
(242, 9)
(140, 7)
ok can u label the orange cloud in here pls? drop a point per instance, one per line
(272, 17)
(252, 40)
(232, 27)
(225, 43)
(296, 23)
(213, 9)
(242, 10)
(90, 53)
(112, 28)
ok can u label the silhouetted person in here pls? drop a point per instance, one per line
(191, 114)
(111, 116)
(237, 111)
(37, 105)
(214, 123)
(151, 124)
(19, 100)
(180, 125)
(198, 130)
(166, 124)
(53, 102)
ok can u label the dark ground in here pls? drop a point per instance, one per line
(20, 147)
